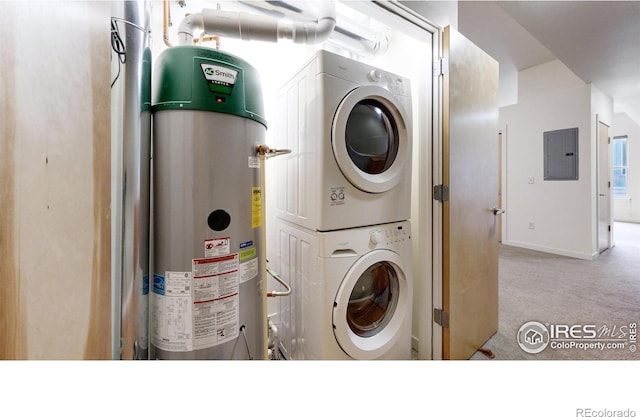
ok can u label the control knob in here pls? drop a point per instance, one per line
(376, 237)
(374, 75)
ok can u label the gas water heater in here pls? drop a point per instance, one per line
(206, 293)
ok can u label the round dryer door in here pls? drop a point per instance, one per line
(370, 139)
(371, 305)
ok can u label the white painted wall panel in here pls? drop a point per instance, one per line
(546, 79)
(560, 210)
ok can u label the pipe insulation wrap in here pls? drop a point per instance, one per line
(246, 26)
(311, 33)
(348, 33)
(240, 25)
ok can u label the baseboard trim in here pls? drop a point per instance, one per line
(554, 251)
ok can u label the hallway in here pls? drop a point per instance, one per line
(551, 289)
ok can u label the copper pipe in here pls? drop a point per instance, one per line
(166, 22)
(204, 39)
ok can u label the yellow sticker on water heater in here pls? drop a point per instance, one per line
(256, 207)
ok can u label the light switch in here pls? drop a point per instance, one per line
(530, 180)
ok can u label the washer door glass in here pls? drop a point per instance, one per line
(373, 300)
(371, 311)
(371, 137)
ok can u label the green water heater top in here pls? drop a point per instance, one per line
(200, 78)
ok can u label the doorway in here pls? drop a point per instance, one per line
(604, 188)
(500, 203)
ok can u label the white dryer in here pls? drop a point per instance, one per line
(349, 127)
(351, 292)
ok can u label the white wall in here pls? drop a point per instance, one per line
(546, 80)
(439, 13)
(508, 87)
(628, 209)
(551, 97)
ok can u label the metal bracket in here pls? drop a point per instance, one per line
(441, 192)
(441, 317)
(440, 67)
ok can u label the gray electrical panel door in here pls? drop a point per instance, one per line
(561, 155)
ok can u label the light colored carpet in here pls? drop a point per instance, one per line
(550, 289)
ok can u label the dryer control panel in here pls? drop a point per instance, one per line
(394, 84)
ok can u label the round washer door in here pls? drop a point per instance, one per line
(371, 305)
(370, 139)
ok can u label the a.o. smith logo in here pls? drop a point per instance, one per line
(220, 79)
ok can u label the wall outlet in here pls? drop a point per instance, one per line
(532, 225)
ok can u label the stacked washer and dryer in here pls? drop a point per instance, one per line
(343, 196)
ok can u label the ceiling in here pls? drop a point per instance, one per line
(598, 40)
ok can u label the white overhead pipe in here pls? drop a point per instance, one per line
(356, 37)
(246, 26)
(360, 39)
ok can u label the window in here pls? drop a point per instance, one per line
(620, 166)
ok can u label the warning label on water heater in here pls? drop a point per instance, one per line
(197, 309)
(256, 207)
(217, 247)
(171, 312)
(216, 294)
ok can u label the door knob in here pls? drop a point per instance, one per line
(497, 211)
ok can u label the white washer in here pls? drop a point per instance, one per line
(351, 292)
(348, 125)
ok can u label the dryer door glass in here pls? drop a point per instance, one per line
(371, 137)
(373, 300)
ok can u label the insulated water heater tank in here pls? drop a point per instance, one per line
(208, 120)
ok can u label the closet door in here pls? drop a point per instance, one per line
(470, 214)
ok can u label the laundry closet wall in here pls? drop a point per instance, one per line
(55, 244)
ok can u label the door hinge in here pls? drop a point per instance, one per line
(441, 317)
(440, 67)
(609, 227)
(609, 184)
(441, 192)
